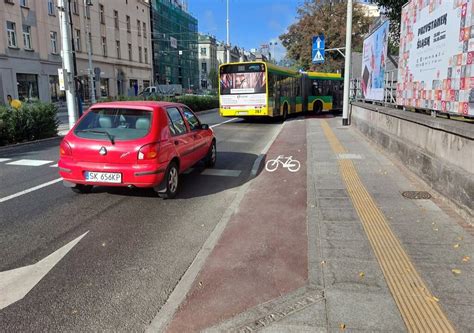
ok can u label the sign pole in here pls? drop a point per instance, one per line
(66, 54)
(347, 66)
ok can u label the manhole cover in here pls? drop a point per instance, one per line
(416, 195)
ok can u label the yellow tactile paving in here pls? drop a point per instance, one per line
(419, 309)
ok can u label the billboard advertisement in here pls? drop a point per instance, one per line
(373, 63)
(436, 65)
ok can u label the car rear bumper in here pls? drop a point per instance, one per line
(138, 175)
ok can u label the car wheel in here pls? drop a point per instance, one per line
(81, 188)
(211, 157)
(171, 182)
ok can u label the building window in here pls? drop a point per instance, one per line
(146, 55)
(130, 52)
(104, 46)
(116, 19)
(50, 7)
(204, 67)
(27, 37)
(75, 7)
(88, 11)
(27, 86)
(54, 42)
(101, 14)
(117, 47)
(77, 40)
(23, 3)
(127, 19)
(144, 30)
(56, 93)
(146, 84)
(139, 27)
(11, 34)
(104, 87)
(203, 51)
(140, 54)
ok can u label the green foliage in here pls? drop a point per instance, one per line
(393, 10)
(33, 121)
(324, 17)
(213, 77)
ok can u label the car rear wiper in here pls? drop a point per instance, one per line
(110, 136)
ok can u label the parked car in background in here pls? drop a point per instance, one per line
(163, 90)
(135, 144)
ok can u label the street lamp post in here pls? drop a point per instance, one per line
(273, 44)
(89, 52)
(228, 35)
(347, 67)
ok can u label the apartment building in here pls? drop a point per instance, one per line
(207, 60)
(30, 47)
(29, 50)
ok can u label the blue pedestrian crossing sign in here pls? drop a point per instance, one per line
(318, 50)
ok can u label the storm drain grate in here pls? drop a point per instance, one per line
(416, 195)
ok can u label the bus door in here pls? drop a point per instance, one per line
(304, 92)
(337, 94)
(277, 92)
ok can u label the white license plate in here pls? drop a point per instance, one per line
(103, 177)
(242, 113)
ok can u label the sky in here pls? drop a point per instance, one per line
(252, 22)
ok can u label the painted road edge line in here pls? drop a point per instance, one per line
(178, 295)
(224, 122)
(257, 164)
(32, 189)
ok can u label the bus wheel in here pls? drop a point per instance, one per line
(285, 112)
(318, 107)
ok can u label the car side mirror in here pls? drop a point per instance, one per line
(204, 126)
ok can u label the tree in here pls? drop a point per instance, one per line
(324, 17)
(213, 78)
(393, 10)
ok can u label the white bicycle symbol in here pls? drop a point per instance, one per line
(291, 164)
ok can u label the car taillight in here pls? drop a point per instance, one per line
(65, 149)
(148, 152)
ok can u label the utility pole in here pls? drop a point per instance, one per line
(347, 66)
(89, 52)
(66, 53)
(228, 35)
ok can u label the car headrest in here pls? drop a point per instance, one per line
(105, 122)
(142, 123)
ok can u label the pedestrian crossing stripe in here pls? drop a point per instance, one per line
(26, 162)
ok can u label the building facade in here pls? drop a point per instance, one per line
(30, 47)
(207, 61)
(175, 44)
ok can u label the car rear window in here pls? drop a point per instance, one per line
(119, 123)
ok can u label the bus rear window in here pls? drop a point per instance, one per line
(243, 79)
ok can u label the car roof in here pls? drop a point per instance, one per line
(149, 104)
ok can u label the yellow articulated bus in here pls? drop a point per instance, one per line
(262, 89)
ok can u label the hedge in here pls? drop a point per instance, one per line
(31, 122)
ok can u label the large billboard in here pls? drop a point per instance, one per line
(436, 65)
(373, 63)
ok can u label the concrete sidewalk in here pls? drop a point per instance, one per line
(334, 246)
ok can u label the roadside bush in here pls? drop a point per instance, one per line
(31, 122)
(196, 103)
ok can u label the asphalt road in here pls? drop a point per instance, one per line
(137, 246)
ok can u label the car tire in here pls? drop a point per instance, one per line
(82, 189)
(211, 157)
(171, 182)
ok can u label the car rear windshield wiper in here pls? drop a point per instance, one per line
(111, 138)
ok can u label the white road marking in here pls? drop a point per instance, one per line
(4, 159)
(17, 283)
(30, 162)
(18, 194)
(259, 160)
(221, 172)
(54, 165)
(224, 122)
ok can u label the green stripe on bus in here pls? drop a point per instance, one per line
(325, 99)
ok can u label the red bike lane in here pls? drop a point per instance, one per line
(263, 252)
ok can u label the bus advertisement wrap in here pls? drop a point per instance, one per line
(436, 66)
(243, 89)
(373, 63)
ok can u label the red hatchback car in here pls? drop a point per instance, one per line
(135, 144)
